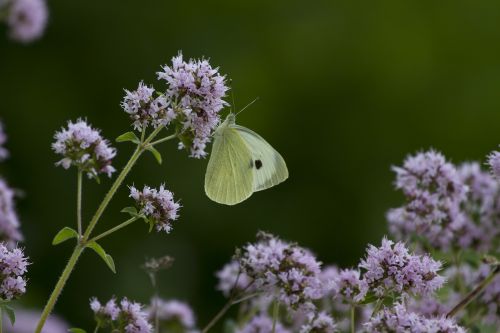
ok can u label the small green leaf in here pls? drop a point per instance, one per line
(130, 210)
(111, 263)
(369, 298)
(63, 235)
(10, 313)
(156, 154)
(106, 257)
(129, 136)
(151, 223)
(76, 330)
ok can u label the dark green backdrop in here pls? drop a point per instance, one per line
(346, 89)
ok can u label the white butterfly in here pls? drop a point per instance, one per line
(241, 163)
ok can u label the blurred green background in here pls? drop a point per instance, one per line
(347, 89)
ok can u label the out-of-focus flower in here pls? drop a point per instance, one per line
(398, 319)
(157, 205)
(26, 321)
(13, 266)
(232, 279)
(494, 163)
(145, 109)
(320, 323)
(9, 221)
(196, 92)
(82, 146)
(481, 230)
(282, 270)
(434, 193)
(261, 324)
(154, 265)
(127, 314)
(172, 313)
(391, 268)
(27, 19)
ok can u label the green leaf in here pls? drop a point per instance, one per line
(76, 330)
(151, 222)
(156, 154)
(130, 210)
(129, 136)
(63, 235)
(369, 298)
(106, 257)
(10, 313)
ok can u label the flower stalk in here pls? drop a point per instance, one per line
(474, 293)
(141, 147)
(79, 202)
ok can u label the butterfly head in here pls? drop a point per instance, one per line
(230, 119)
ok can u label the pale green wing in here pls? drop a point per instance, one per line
(229, 176)
(269, 167)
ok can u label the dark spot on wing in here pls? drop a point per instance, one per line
(258, 164)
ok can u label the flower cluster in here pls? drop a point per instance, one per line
(398, 319)
(172, 313)
(481, 227)
(282, 269)
(232, 279)
(82, 146)
(196, 91)
(320, 323)
(145, 109)
(434, 193)
(349, 287)
(494, 163)
(4, 153)
(26, 321)
(13, 266)
(9, 222)
(127, 316)
(261, 324)
(392, 268)
(26, 19)
(158, 206)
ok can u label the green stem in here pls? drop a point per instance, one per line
(96, 328)
(353, 319)
(119, 180)
(276, 312)
(156, 296)
(59, 287)
(79, 203)
(1, 320)
(474, 293)
(112, 230)
(218, 316)
(167, 138)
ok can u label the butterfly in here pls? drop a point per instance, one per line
(241, 163)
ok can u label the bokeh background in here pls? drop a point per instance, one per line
(347, 88)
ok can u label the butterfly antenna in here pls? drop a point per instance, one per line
(248, 105)
(233, 107)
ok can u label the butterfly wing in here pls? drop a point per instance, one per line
(268, 166)
(229, 176)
